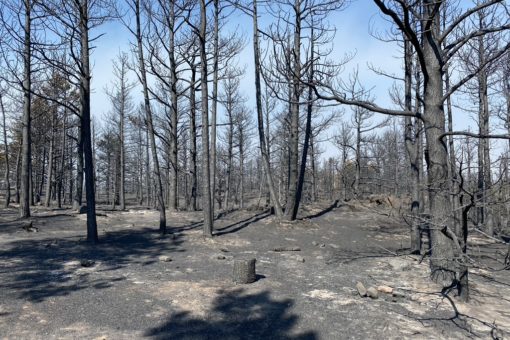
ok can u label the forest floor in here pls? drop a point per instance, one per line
(138, 284)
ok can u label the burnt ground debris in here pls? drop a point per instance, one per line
(127, 292)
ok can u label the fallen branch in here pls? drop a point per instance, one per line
(491, 237)
(283, 249)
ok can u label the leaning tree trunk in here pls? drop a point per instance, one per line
(260, 119)
(150, 125)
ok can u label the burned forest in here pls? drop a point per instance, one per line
(249, 169)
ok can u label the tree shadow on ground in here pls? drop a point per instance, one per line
(451, 318)
(346, 256)
(40, 268)
(330, 208)
(236, 315)
(239, 225)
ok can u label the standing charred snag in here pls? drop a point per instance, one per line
(174, 162)
(49, 180)
(86, 134)
(151, 139)
(308, 129)
(73, 22)
(207, 204)
(78, 194)
(6, 150)
(447, 260)
(122, 107)
(122, 190)
(162, 16)
(260, 117)
(60, 181)
(293, 199)
(193, 137)
(214, 102)
(288, 72)
(26, 153)
(231, 99)
(411, 136)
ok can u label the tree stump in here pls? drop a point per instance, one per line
(244, 271)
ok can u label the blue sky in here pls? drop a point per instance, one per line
(353, 26)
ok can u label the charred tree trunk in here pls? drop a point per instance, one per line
(308, 132)
(446, 269)
(293, 198)
(172, 195)
(456, 206)
(26, 154)
(357, 174)
(230, 147)
(150, 125)
(314, 168)
(18, 174)
(78, 195)
(7, 175)
(241, 167)
(122, 182)
(206, 163)
(60, 182)
(85, 89)
(214, 98)
(411, 141)
(260, 118)
(193, 133)
(147, 169)
(484, 167)
(49, 181)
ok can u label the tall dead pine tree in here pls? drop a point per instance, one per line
(260, 117)
(206, 164)
(26, 149)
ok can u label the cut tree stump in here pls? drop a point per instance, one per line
(244, 271)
